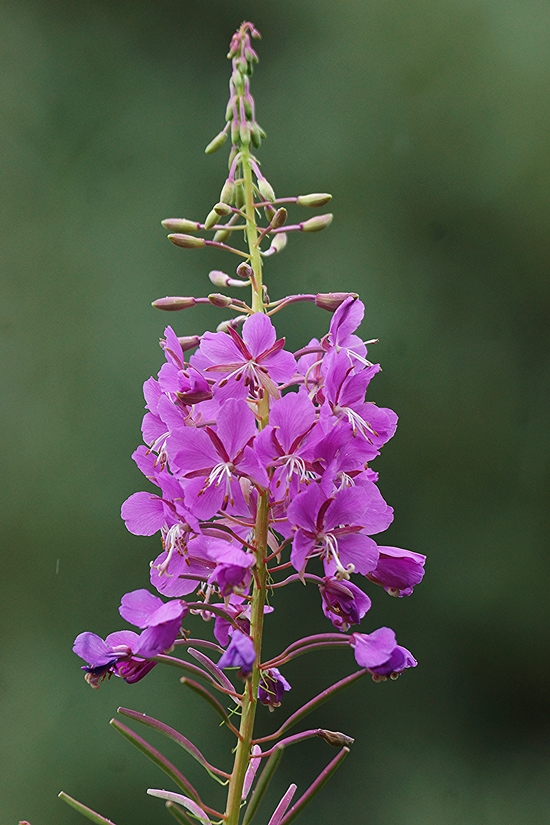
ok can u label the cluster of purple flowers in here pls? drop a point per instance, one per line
(210, 459)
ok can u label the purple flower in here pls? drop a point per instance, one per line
(114, 656)
(233, 570)
(272, 688)
(161, 620)
(240, 653)
(398, 571)
(380, 654)
(332, 528)
(254, 363)
(210, 462)
(343, 603)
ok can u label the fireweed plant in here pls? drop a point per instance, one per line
(262, 461)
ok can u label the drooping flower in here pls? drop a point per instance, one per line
(380, 654)
(161, 620)
(343, 602)
(118, 654)
(240, 653)
(272, 688)
(398, 570)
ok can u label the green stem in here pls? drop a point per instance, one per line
(250, 700)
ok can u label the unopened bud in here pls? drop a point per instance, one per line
(222, 280)
(279, 218)
(187, 241)
(317, 223)
(244, 133)
(332, 300)
(211, 219)
(216, 143)
(180, 225)
(265, 189)
(231, 323)
(219, 300)
(277, 244)
(245, 271)
(222, 235)
(222, 209)
(239, 195)
(255, 136)
(336, 739)
(228, 192)
(189, 341)
(315, 199)
(173, 304)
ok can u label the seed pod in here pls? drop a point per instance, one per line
(317, 223)
(315, 199)
(180, 225)
(187, 241)
(173, 304)
(216, 143)
(336, 739)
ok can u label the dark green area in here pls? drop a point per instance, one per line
(429, 123)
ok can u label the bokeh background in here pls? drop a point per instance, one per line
(430, 124)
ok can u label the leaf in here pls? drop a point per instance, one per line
(179, 738)
(179, 815)
(155, 756)
(87, 812)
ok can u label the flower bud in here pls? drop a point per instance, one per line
(228, 192)
(279, 218)
(336, 739)
(317, 223)
(265, 189)
(239, 195)
(222, 280)
(222, 235)
(222, 209)
(244, 133)
(245, 271)
(187, 241)
(277, 244)
(180, 225)
(211, 219)
(189, 341)
(173, 304)
(315, 199)
(219, 300)
(332, 300)
(216, 143)
(255, 136)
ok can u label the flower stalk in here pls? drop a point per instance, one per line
(262, 461)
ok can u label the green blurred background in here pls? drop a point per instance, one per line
(430, 124)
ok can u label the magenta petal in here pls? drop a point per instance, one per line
(143, 514)
(303, 510)
(203, 501)
(93, 649)
(219, 348)
(293, 415)
(373, 649)
(123, 637)
(348, 507)
(191, 450)
(157, 639)
(356, 549)
(236, 425)
(346, 319)
(258, 333)
(302, 546)
(252, 469)
(138, 606)
(281, 366)
(167, 612)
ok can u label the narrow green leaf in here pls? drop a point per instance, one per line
(212, 701)
(178, 813)
(177, 737)
(155, 756)
(315, 787)
(82, 809)
(262, 785)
